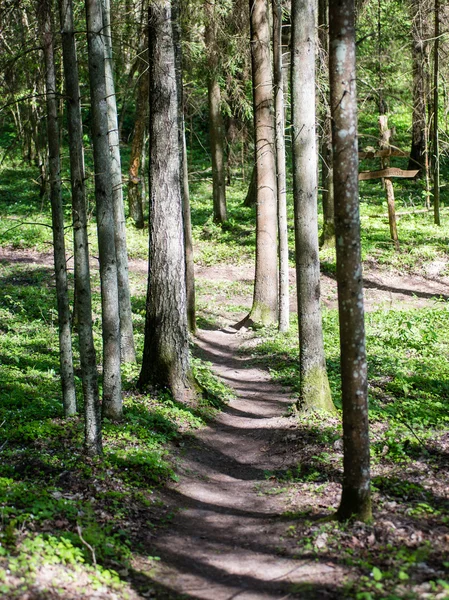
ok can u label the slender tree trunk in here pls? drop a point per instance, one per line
(127, 350)
(57, 213)
(284, 300)
(190, 265)
(436, 145)
(135, 183)
(216, 129)
(83, 297)
(166, 350)
(251, 196)
(328, 234)
(314, 384)
(356, 500)
(419, 50)
(112, 391)
(265, 300)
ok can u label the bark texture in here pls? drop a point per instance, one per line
(57, 215)
(112, 392)
(216, 128)
(314, 384)
(127, 350)
(356, 500)
(83, 298)
(265, 300)
(284, 299)
(166, 351)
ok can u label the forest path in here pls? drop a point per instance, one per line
(226, 538)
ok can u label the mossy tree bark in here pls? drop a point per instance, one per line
(265, 300)
(112, 390)
(314, 384)
(127, 349)
(166, 350)
(83, 299)
(57, 215)
(216, 128)
(356, 499)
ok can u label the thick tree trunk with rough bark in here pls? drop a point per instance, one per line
(356, 499)
(216, 128)
(328, 233)
(57, 215)
(284, 299)
(314, 384)
(127, 350)
(166, 350)
(136, 176)
(83, 298)
(112, 389)
(265, 300)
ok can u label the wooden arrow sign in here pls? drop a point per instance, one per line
(388, 172)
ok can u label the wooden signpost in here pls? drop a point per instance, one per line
(387, 172)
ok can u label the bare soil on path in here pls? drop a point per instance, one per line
(227, 539)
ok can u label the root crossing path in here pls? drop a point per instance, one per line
(227, 538)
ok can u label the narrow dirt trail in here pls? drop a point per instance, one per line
(224, 541)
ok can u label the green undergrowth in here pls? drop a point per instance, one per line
(408, 377)
(80, 522)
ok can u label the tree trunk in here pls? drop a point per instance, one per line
(83, 297)
(251, 195)
(190, 265)
(327, 239)
(112, 389)
(265, 300)
(419, 60)
(135, 182)
(284, 300)
(314, 384)
(57, 215)
(356, 499)
(127, 350)
(436, 145)
(166, 350)
(216, 129)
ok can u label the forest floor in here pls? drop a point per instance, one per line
(250, 515)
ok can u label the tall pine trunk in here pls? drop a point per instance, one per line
(356, 499)
(112, 390)
(265, 300)
(83, 299)
(284, 299)
(127, 350)
(327, 184)
(136, 175)
(57, 214)
(166, 350)
(419, 62)
(216, 128)
(314, 384)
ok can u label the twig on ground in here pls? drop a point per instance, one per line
(94, 560)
